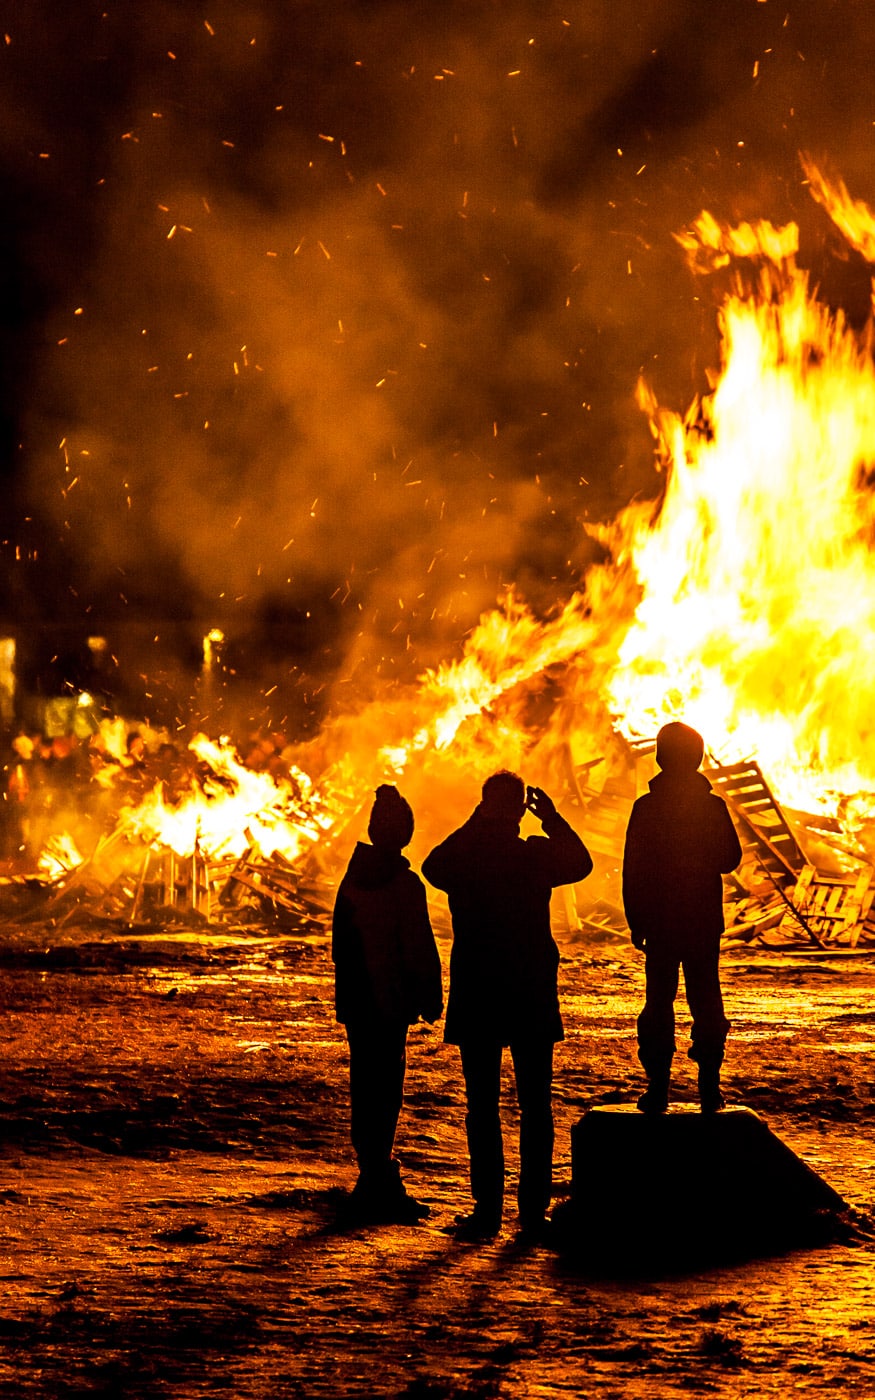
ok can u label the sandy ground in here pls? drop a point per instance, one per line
(174, 1152)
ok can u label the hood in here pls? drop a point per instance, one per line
(371, 867)
(669, 781)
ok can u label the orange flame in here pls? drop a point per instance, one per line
(232, 808)
(759, 578)
(745, 601)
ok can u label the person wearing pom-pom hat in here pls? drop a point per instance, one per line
(387, 975)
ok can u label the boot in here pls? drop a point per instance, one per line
(711, 1099)
(655, 1096)
(379, 1197)
(483, 1223)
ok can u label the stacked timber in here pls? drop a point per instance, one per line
(128, 881)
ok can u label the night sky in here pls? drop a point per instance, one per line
(339, 309)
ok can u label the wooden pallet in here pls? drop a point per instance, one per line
(835, 907)
(765, 836)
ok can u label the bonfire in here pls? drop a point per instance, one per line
(742, 601)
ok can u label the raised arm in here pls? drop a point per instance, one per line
(566, 857)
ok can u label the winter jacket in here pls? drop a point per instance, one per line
(386, 961)
(503, 967)
(679, 841)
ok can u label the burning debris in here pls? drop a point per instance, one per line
(167, 886)
(703, 606)
(209, 838)
(238, 845)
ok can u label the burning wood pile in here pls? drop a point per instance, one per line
(125, 881)
(215, 842)
(273, 856)
(702, 604)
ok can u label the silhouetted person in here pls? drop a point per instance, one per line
(503, 989)
(679, 842)
(387, 975)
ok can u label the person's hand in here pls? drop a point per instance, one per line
(539, 804)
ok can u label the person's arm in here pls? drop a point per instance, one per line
(634, 878)
(421, 957)
(343, 954)
(567, 858)
(730, 852)
(341, 920)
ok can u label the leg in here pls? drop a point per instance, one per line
(656, 1043)
(533, 1067)
(710, 1026)
(377, 1062)
(481, 1066)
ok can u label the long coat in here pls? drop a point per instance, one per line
(387, 965)
(679, 842)
(503, 967)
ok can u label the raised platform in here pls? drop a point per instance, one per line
(684, 1184)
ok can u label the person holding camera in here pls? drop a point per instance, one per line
(503, 984)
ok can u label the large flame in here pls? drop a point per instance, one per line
(758, 578)
(230, 809)
(744, 601)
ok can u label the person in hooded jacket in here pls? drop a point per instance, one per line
(503, 984)
(680, 841)
(387, 975)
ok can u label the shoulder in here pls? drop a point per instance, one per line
(449, 841)
(716, 803)
(409, 880)
(642, 806)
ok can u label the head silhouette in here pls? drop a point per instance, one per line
(391, 822)
(504, 797)
(679, 749)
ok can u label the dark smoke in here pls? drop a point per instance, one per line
(339, 309)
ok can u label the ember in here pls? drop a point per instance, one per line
(704, 607)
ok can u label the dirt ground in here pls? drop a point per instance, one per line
(174, 1152)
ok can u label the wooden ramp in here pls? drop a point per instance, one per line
(763, 827)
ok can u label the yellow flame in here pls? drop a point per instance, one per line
(744, 601)
(232, 808)
(852, 217)
(59, 856)
(758, 579)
